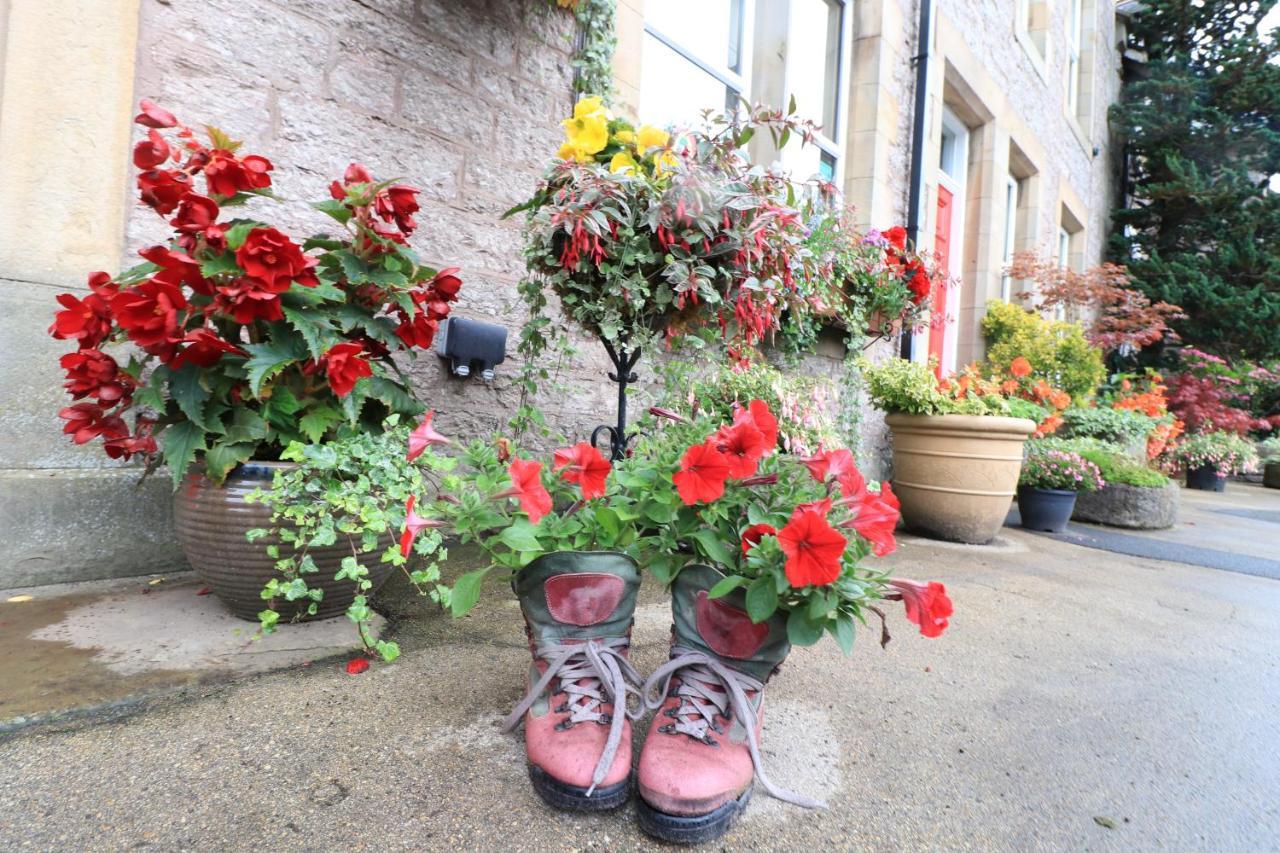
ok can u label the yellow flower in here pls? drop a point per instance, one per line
(625, 137)
(589, 106)
(622, 162)
(665, 163)
(651, 137)
(588, 135)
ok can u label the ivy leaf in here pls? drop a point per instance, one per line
(762, 598)
(466, 592)
(188, 391)
(801, 630)
(713, 546)
(727, 585)
(270, 358)
(181, 441)
(520, 536)
(221, 457)
(316, 422)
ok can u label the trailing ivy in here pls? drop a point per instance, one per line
(593, 50)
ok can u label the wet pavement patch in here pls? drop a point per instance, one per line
(1271, 516)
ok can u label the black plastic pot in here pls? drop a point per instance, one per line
(1045, 509)
(1207, 479)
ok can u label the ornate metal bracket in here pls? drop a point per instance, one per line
(623, 373)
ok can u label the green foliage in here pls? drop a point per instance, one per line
(1201, 227)
(1113, 462)
(351, 490)
(1057, 350)
(1125, 427)
(1269, 450)
(910, 387)
(592, 59)
(1020, 408)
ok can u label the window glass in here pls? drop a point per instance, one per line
(813, 75)
(711, 29)
(1011, 192)
(674, 90)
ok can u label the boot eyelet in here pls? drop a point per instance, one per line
(564, 725)
(605, 719)
(667, 730)
(562, 709)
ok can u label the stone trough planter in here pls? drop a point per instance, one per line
(1137, 507)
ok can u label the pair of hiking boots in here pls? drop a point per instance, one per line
(701, 758)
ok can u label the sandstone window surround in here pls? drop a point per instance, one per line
(1022, 188)
(1080, 85)
(1031, 29)
(1070, 250)
(762, 51)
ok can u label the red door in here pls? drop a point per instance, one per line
(939, 326)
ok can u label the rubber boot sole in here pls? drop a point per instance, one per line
(561, 795)
(690, 829)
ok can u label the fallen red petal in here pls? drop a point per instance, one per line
(355, 666)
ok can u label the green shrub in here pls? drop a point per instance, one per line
(1225, 452)
(910, 387)
(1269, 450)
(1020, 408)
(1115, 465)
(1119, 426)
(1057, 350)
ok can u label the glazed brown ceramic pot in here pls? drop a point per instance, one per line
(211, 522)
(956, 474)
(1271, 475)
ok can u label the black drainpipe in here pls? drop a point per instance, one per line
(917, 137)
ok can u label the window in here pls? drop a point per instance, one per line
(1075, 37)
(815, 34)
(1012, 188)
(1031, 28)
(695, 56)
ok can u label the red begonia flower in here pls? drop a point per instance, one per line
(742, 444)
(124, 447)
(703, 470)
(583, 464)
(344, 367)
(1020, 367)
(927, 604)
(195, 214)
(178, 268)
(753, 534)
(355, 666)
(91, 373)
(413, 525)
(447, 283)
(227, 175)
(150, 152)
(398, 203)
(766, 422)
(875, 519)
(269, 255)
(87, 421)
(920, 286)
(526, 487)
(87, 320)
(424, 436)
(148, 312)
(205, 349)
(153, 116)
(813, 548)
(163, 189)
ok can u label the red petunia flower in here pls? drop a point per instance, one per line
(205, 349)
(875, 519)
(91, 373)
(424, 436)
(836, 465)
(526, 487)
(227, 175)
(195, 214)
(148, 312)
(124, 447)
(150, 152)
(413, 525)
(703, 470)
(269, 255)
(927, 604)
(153, 116)
(897, 237)
(766, 422)
(87, 320)
(345, 367)
(752, 535)
(583, 464)
(813, 548)
(742, 444)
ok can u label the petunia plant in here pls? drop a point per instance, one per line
(233, 339)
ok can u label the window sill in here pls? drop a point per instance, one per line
(1038, 62)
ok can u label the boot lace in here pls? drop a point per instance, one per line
(591, 672)
(708, 689)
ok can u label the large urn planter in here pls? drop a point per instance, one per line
(211, 522)
(1048, 510)
(956, 474)
(1271, 475)
(1134, 507)
(1206, 479)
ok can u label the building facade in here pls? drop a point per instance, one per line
(462, 98)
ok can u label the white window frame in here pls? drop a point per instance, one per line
(1075, 38)
(737, 81)
(953, 175)
(832, 144)
(1011, 193)
(1064, 261)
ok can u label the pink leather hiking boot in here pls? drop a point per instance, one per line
(578, 609)
(702, 755)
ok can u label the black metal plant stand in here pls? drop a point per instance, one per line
(623, 364)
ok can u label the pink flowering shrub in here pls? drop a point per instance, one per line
(1059, 469)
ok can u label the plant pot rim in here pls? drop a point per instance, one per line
(961, 423)
(1049, 491)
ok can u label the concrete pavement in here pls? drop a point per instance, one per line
(1080, 701)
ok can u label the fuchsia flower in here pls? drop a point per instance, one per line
(424, 436)
(927, 604)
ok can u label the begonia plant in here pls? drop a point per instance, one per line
(235, 340)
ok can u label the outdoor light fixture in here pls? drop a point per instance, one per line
(472, 345)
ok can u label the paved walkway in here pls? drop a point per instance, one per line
(1082, 700)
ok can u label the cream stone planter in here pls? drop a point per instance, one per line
(957, 474)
